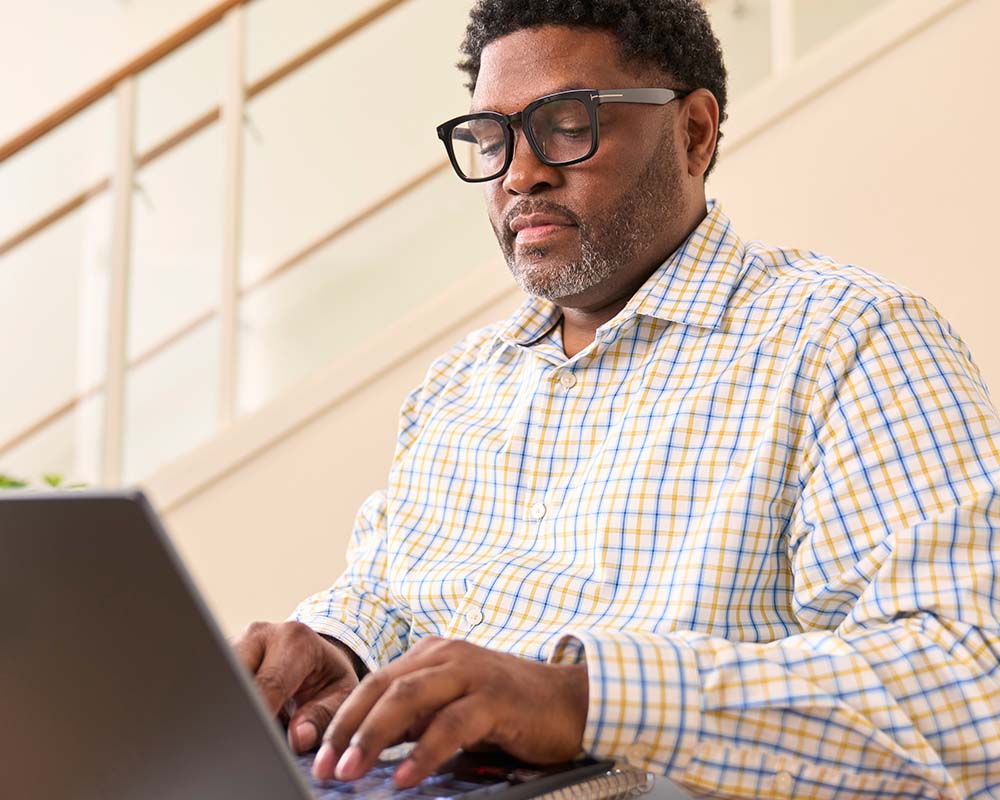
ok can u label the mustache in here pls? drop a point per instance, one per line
(538, 207)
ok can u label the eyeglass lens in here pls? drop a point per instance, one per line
(561, 130)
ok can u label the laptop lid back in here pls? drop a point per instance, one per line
(114, 681)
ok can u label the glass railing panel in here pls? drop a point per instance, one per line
(744, 31)
(380, 271)
(176, 239)
(56, 167)
(180, 88)
(69, 447)
(171, 402)
(52, 317)
(348, 128)
(817, 20)
(278, 30)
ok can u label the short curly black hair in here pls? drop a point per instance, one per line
(674, 36)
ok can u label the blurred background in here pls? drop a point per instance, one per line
(230, 241)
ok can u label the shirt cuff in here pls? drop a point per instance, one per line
(644, 704)
(344, 634)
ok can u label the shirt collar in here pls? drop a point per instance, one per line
(692, 287)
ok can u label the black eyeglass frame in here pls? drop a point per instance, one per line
(592, 100)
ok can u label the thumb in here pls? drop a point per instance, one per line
(311, 719)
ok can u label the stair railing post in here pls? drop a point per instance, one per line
(782, 36)
(233, 107)
(122, 180)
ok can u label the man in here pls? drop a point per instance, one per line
(727, 511)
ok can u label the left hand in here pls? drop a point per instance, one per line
(449, 694)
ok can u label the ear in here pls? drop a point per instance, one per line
(698, 120)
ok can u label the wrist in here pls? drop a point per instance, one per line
(575, 683)
(353, 658)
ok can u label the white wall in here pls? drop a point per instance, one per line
(891, 168)
(896, 169)
(324, 144)
(276, 528)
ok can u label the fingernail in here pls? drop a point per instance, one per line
(405, 774)
(349, 764)
(323, 763)
(306, 736)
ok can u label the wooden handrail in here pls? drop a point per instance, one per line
(66, 407)
(185, 132)
(104, 86)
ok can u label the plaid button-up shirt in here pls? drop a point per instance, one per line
(763, 505)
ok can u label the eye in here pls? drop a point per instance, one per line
(491, 147)
(571, 131)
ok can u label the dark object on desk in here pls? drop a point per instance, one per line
(115, 682)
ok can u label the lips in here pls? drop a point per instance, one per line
(537, 226)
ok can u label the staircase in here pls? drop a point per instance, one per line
(230, 259)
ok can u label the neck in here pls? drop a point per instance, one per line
(583, 315)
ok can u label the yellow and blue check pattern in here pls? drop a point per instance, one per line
(763, 505)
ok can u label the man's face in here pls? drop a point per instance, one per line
(586, 234)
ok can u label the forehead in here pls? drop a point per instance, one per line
(517, 68)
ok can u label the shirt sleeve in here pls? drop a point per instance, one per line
(893, 685)
(358, 609)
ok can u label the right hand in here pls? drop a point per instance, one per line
(290, 661)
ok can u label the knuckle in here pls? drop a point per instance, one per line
(375, 682)
(404, 688)
(271, 681)
(257, 629)
(296, 630)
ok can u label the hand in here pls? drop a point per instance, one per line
(450, 694)
(290, 661)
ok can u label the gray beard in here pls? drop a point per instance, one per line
(604, 247)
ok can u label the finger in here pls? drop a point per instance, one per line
(249, 648)
(362, 728)
(428, 652)
(312, 718)
(281, 673)
(460, 724)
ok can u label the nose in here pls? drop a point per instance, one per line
(527, 174)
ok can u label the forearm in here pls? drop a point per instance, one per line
(905, 709)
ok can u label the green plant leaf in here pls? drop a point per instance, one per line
(8, 482)
(53, 479)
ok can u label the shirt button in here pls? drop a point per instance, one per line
(537, 511)
(473, 617)
(567, 379)
(783, 782)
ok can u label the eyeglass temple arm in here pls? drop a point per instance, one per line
(658, 97)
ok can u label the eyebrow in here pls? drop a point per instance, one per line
(569, 87)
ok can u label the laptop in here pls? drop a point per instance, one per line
(116, 683)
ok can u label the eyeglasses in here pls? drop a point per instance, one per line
(561, 129)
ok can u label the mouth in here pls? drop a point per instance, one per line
(536, 228)
(539, 233)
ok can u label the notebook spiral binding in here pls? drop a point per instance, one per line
(616, 784)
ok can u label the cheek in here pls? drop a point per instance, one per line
(495, 198)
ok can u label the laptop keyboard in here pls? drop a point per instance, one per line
(478, 782)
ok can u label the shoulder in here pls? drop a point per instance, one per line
(822, 296)
(468, 352)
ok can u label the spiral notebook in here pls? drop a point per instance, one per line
(107, 641)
